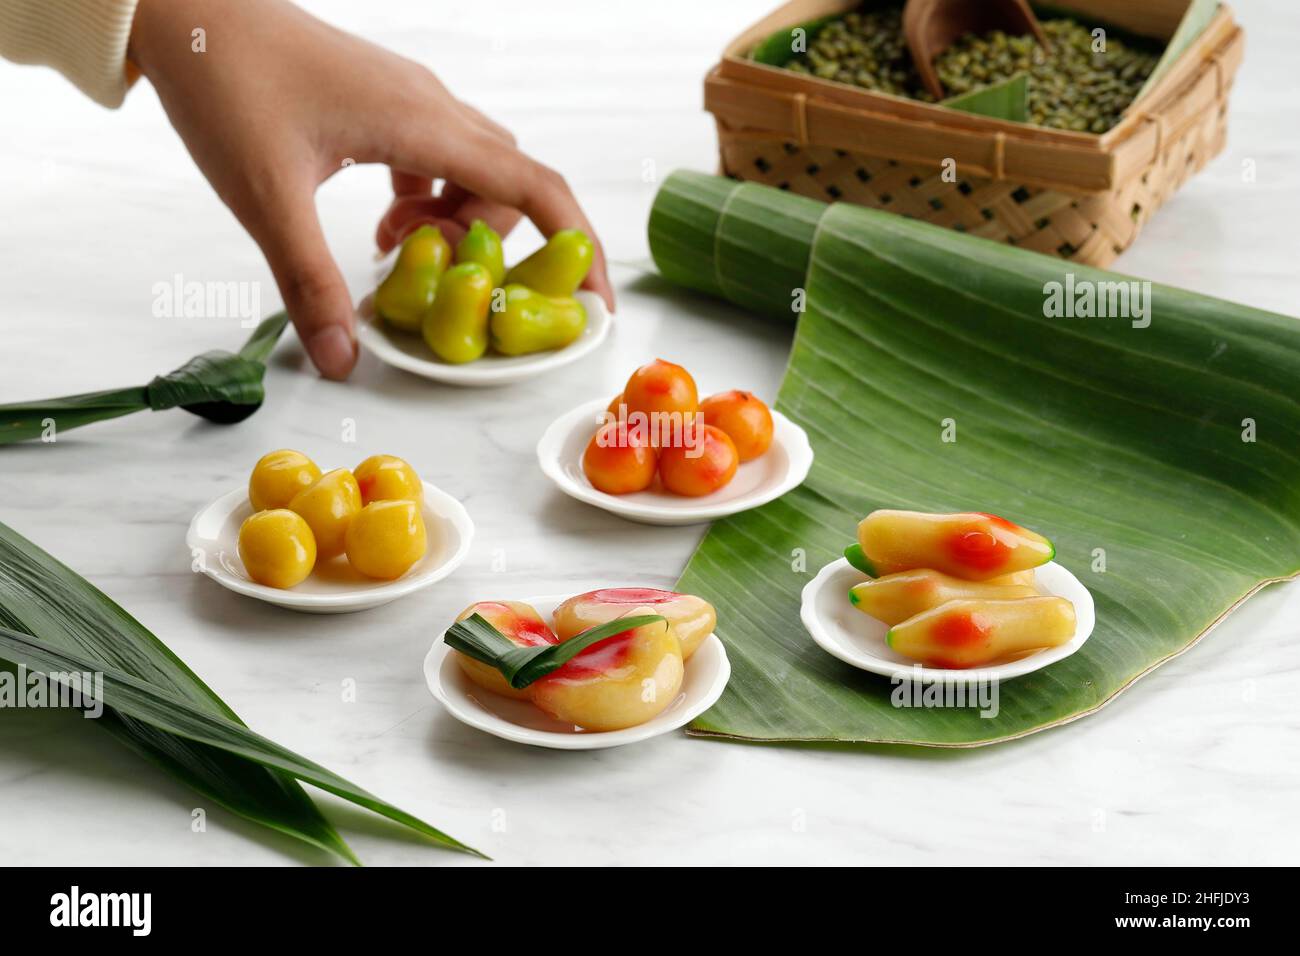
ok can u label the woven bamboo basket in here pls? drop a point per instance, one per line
(1080, 196)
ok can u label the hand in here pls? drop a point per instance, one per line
(276, 104)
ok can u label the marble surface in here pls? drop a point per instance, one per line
(1194, 765)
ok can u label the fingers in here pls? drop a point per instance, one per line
(408, 184)
(481, 163)
(455, 209)
(406, 213)
(454, 202)
(288, 231)
(486, 122)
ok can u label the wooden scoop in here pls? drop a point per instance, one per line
(931, 26)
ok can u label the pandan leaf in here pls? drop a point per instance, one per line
(476, 637)
(1197, 17)
(220, 386)
(1162, 459)
(777, 49)
(54, 621)
(1008, 100)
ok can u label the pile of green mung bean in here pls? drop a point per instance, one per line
(1072, 86)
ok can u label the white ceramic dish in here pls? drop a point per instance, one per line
(408, 351)
(707, 673)
(843, 631)
(332, 588)
(784, 466)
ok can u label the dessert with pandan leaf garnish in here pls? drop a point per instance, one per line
(620, 681)
(614, 659)
(519, 622)
(693, 618)
(957, 590)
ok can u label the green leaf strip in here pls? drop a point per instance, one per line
(476, 637)
(1008, 100)
(167, 712)
(49, 605)
(220, 386)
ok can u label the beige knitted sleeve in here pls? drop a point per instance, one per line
(85, 40)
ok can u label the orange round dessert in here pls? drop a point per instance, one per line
(745, 418)
(661, 389)
(700, 466)
(619, 460)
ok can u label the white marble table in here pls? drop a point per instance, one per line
(1195, 764)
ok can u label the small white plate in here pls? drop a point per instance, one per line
(333, 587)
(843, 631)
(519, 720)
(784, 466)
(409, 352)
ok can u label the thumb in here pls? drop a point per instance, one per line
(310, 283)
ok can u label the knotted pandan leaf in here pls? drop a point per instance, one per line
(223, 387)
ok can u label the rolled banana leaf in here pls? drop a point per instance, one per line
(1159, 450)
(223, 387)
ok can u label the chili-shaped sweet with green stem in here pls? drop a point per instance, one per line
(482, 244)
(971, 545)
(962, 634)
(528, 321)
(407, 292)
(896, 597)
(456, 325)
(558, 268)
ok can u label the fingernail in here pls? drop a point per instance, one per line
(333, 352)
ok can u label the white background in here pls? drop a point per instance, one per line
(1196, 764)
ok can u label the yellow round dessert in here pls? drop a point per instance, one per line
(278, 476)
(277, 548)
(385, 538)
(387, 478)
(328, 507)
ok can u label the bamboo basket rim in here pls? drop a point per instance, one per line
(994, 148)
(735, 65)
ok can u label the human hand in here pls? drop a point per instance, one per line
(280, 100)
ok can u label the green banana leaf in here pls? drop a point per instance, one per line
(54, 621)
(1197, 17)
(1008, 100)
(777, 49)
(1163, 461)
(220, 386)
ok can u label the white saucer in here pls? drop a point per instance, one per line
(843, 631)
(408, 351)
(519, 720)
(783, 467)
(333, 587)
